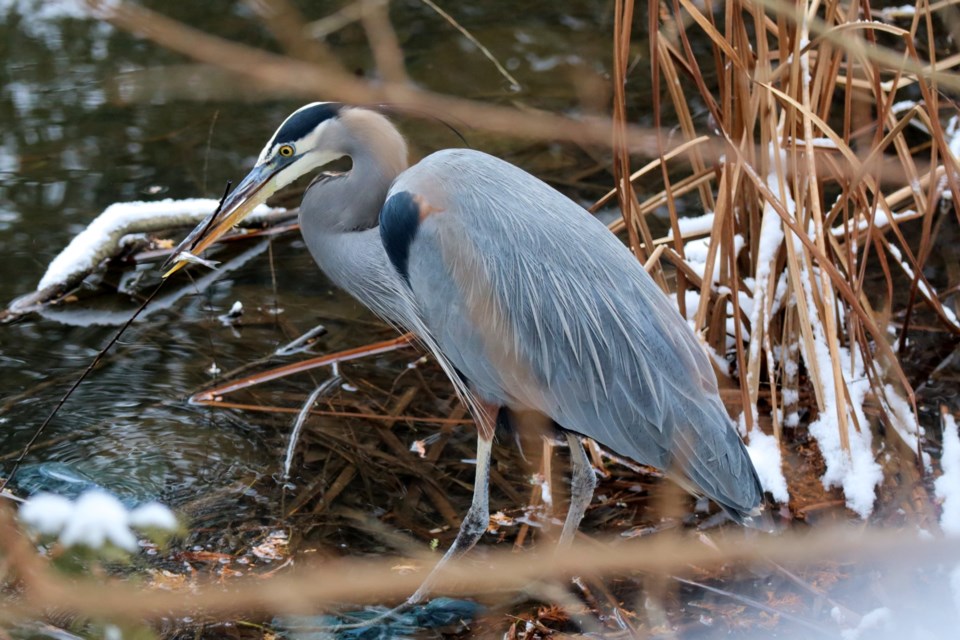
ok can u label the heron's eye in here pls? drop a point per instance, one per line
(286, 151)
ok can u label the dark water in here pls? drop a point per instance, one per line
(87, 122)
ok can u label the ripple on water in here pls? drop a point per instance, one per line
(168, 453)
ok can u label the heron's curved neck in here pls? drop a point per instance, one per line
(353, 201)
(339, 216)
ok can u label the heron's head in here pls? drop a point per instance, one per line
(309, 138)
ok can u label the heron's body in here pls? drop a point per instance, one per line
(566, 322)
(523, 293)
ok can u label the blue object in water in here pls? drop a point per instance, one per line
(67, 481)
(439, 612)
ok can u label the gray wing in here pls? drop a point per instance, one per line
(541, 307)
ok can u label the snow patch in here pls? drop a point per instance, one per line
(695, 225)
(947, 486)
(904, 421)
(153, 515)
(765, 454)
(771, 238)
(880, 220)
(695, 253)
(94, 520)
(88, 248)
(46, 513)
(824, 143)
(857, 473)
(903, 11)
(98, 518)
(953, 131)
(878, 619)
(42, 10)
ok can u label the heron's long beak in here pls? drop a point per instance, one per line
(254, 190)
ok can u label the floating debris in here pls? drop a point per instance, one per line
(500, 519)
(303, 343)
(418, 447)
(273, 548)
(233, 315)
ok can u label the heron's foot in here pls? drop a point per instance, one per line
(471, 530)
(420, 595)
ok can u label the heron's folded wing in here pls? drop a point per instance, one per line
(537, 303)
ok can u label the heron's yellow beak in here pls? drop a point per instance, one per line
(254, 190)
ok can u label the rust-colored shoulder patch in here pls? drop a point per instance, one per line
(426, 209)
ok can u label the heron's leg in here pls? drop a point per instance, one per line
(582, 483)
(474, 523)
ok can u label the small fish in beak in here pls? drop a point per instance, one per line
(253, 191)
(189, 258)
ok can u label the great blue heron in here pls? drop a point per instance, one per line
(526, 300)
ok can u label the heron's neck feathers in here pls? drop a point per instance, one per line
(352, 201)
(373, 140)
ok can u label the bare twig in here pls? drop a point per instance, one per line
(514, 85)
(325, 388)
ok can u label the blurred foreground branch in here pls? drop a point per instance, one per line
(278, 73)
(355, 580)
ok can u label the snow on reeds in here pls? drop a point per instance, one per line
(810, 193)
(948, 484)
(948, 491)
